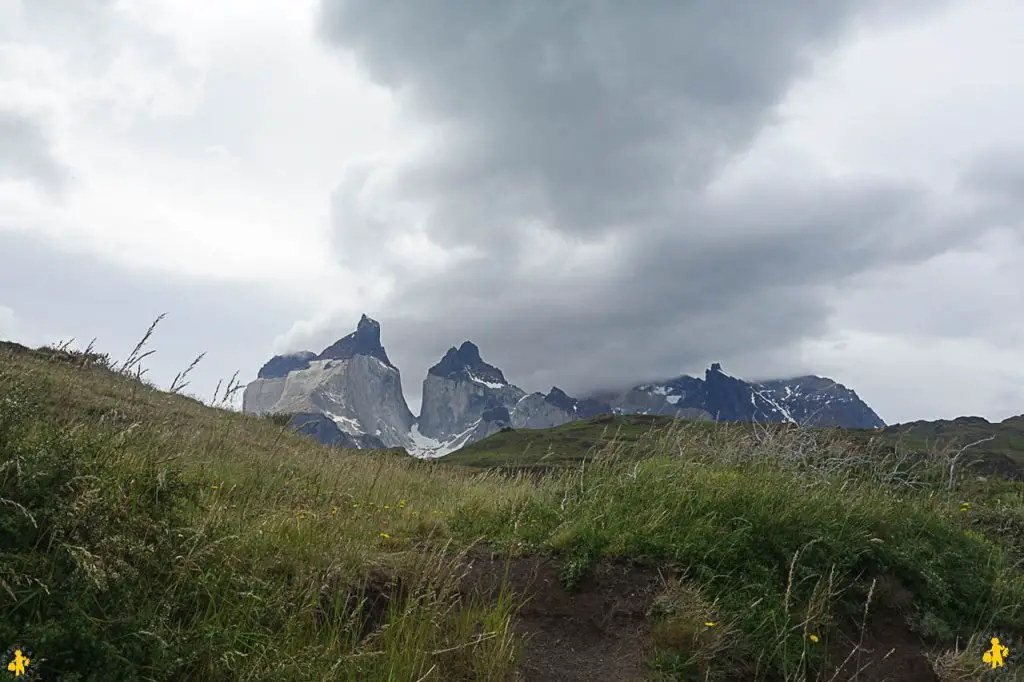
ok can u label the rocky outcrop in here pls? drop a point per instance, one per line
(540, 411)
(463, 394)
(319, 426)
(352, 383)
(279, 366)
(365, 340)
(818, 401)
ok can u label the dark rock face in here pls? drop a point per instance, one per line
(319, 426)
(561, 399)
(812, 401)
(465, 397)
(466, 359)
(496, 414)
(730, 399)
(365, 340)
(279, 366)
(817, 401)
(579, 409)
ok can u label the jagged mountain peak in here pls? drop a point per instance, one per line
(560, 398)
(465, 361)
(581, 408)
(365, 340)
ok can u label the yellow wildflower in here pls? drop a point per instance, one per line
(813, 638)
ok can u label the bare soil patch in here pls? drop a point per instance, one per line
(597, 632)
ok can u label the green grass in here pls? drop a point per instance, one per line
(987, 448)
(149, 536)
(566, 444)
(992, 447)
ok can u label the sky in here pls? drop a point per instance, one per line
(598, 195)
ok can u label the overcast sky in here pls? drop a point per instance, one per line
(596, 193)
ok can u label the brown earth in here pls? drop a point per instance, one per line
(598, 632)
(888, 652)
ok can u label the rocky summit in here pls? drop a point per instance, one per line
(351, 383)
(350, 394)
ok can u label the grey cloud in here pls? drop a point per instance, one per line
(999, 177)
(10, 327)
(25, 153)
(606, 119)
(586, 115)
(59, 295)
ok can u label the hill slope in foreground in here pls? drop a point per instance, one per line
(148, 536)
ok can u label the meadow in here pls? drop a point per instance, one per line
(150, 535)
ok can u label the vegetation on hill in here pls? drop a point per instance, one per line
(970, 443)
(147, 535)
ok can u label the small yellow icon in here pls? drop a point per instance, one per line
(19, 664)
(996, 654)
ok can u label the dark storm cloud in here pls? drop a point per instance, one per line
(611, 120)
(25, 153)
(587, 113)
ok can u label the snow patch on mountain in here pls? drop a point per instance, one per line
(425, 447)
(775, 406)
(349, 425)
(485, 382)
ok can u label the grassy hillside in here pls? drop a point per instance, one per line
(990, 447)
(147, 536)
(565, 444)
(984, 447)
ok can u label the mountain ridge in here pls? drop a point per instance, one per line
(350, 394)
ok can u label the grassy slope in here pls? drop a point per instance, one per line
(147, 536)
(1004, 453)
(563, 444)
(994, 447)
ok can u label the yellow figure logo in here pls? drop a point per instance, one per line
(996, 654)
(19, 664)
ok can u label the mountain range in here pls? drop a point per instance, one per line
(350, 394)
